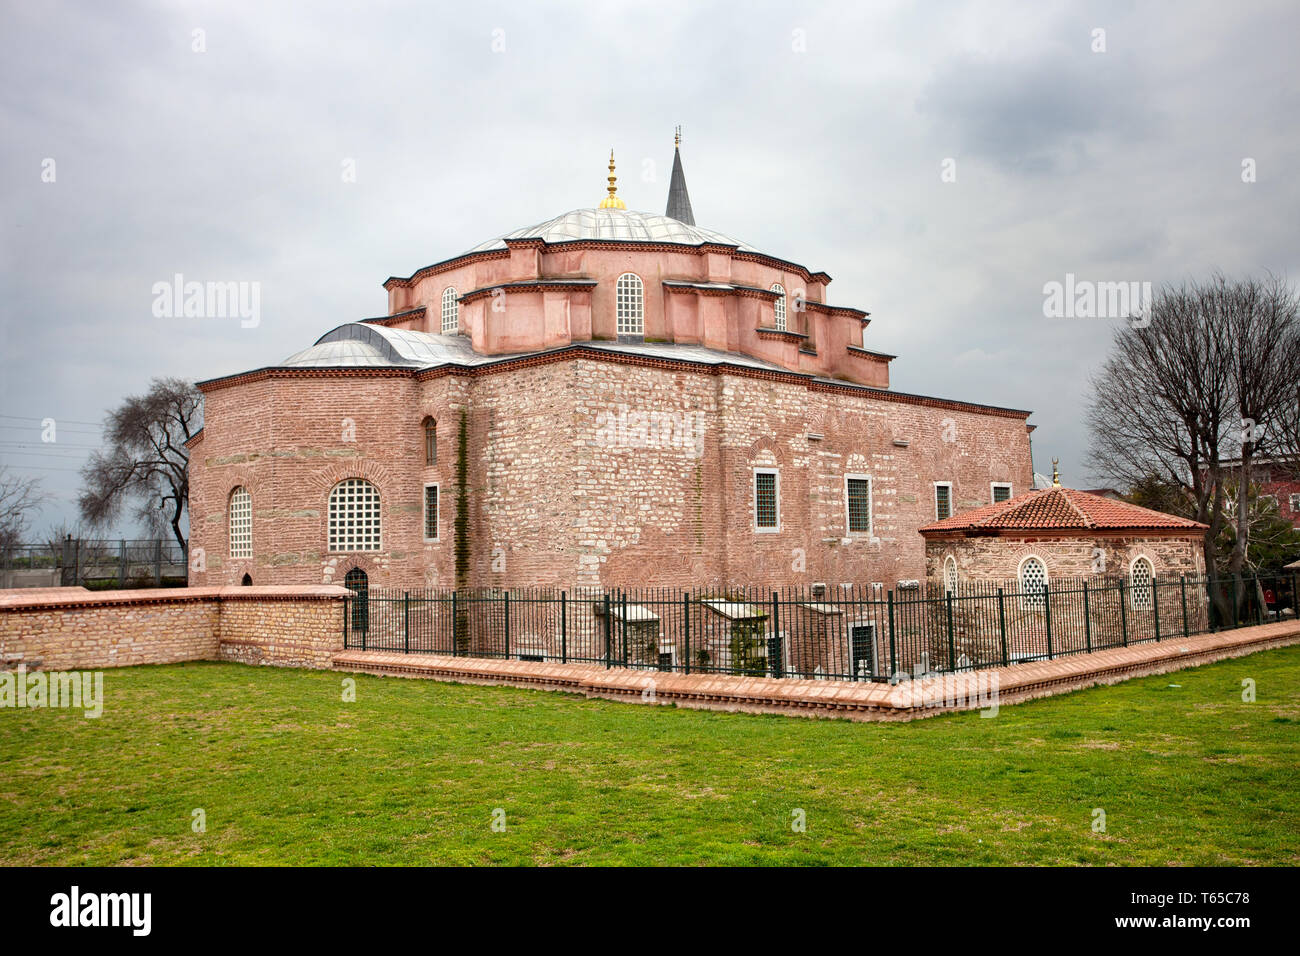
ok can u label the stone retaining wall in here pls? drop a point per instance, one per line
(72, 628)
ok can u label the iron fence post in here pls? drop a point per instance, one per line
(455, 620)
(686, 627)
(1155, 604)
(1087, 619)
(1234, 600)
(893, 662)
(1184, 589)
(121, 562)
(952, 649)
(507, 608)
(564, 628)
(623, 625)
(1123, 615)
(406, 622)
(775, 667)
(1002, 626)
(609, 629)
(1047, 614)
(347, 631)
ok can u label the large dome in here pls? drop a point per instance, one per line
(619, 225)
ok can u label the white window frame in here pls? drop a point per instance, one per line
(952, 510)
(450, 308)
(993, 487)
(1150, 587)
(753, 491)
(1294, 502)
(243, 553)
(1031, 602)
(424, 513)
(619, 296)
(778, 307)
(871, 516)
(950, 586)
(329, 520)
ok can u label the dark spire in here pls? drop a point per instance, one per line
(679, 200)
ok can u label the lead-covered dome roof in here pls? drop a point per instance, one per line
(615, 225)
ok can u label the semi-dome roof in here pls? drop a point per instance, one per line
(616, 225)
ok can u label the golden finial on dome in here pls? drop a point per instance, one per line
(612, 201)
(677, 137)
(1056, 474)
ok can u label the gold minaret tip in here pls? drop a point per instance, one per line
(612, 201)
(1056, 474)
(677, 137)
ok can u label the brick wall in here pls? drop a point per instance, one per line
(64, 628)
(591, 472)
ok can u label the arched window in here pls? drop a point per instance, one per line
(1033, 579)
(354, 516)
(630, 298)
(450, 312)
(780, 305)
(240, 517)
(950, 575)
(430, 441)
(1140, 575)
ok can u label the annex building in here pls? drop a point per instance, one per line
(609, 398)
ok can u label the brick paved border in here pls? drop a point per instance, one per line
(812, 698)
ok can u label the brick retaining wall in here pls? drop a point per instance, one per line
(66, 628)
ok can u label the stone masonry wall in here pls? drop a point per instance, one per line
(64, 628)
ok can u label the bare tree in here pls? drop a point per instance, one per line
(147, 462)
(1161, 403)
(20, 499)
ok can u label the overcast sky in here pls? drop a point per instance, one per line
(815, 132)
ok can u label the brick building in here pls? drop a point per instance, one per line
(608, 398)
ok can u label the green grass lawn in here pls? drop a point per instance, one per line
(412, 772)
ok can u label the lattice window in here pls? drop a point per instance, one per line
(241, 523)
(950, 574)
(942, 501)
(630, 297)
(450, 312)
(780, 305)
(1140, 578)
(766, 515)
(1001, 493)
(431, 512)
(430, 442)
(857, 493)
(354, 516)
(1295, 502)
(1033, 578)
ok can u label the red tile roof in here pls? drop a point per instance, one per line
(1058, 509)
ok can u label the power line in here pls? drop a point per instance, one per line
(69, 421)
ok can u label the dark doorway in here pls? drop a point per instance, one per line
(356, 580)
(247, 582)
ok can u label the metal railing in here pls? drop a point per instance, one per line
(841, 633)
(96, 563)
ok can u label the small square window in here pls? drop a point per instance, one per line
(1001, 492)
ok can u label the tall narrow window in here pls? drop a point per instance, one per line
(450, 312)
(780, 305)
(1001, 491)
(857, 502)
(354, 516)
(942, 500)
(430, 442)
(430, 512)
(1140, 576)
(629, 294)
(241, 523)
(950, 575)
(767, 508)
(1033, 579)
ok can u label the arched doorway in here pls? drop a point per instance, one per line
(356, 580)
(247, 582)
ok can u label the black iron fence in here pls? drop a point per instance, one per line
(95, 563)
(840, 633)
